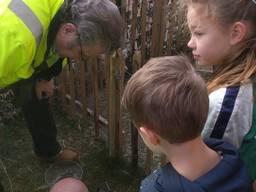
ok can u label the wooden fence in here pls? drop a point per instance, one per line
(152, 28)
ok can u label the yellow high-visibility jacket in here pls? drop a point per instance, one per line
(24, 28)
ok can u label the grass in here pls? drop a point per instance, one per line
(20, 170)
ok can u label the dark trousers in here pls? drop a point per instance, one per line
(42, 126)
(37, 113)
(1, 188)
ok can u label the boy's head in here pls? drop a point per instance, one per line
(169, 98)
(69, 185)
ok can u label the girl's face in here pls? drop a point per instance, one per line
(209, 42)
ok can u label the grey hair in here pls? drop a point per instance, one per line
(96, 21)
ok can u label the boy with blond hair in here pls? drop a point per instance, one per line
(168, 103)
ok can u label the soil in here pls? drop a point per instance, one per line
(21, 171)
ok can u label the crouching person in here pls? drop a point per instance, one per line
(168, 103)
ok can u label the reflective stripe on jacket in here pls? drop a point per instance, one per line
(23, 36)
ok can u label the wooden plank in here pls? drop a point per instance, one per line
(82, 80)
(163, 19)
(95, 94)
(143, 30)
(124, 17)
(134, 23)
(157, 23)
(119, 65)
(72, 109)
(90, 112)
(155, 27)
(170, 30)
(153, 53)
(62, 85)
(114, 105)
(107, 65)
(111, 108)
(134, 133)
(116, 62)
(136, 60)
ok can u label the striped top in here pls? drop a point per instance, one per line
(230, 114)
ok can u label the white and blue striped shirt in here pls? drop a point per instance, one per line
(230, 114)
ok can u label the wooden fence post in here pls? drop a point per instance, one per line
(143, 30)
(62, 86)
(82, 80)
(96, 94)
(114, 105)
(72, 107)
(158, 31)
(134, 24)
(158, 15)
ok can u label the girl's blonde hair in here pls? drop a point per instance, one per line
(241, 65)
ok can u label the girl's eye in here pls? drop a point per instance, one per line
(198, 33)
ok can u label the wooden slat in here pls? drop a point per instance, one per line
(82, 79)
(111, 108)
(134, 23)
(170, 30)
(72, 109)
(95, 94)
(123, 13)
(115, 91)
(136, 61)
(102, 120)
(155, 32)
(134, 132)
(62, 85)
(143, 30)
(163, 19)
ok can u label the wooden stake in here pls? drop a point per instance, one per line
(143, 30)
(82, 78)
(96, 94)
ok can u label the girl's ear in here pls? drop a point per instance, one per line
(239, 32)
(150, 135)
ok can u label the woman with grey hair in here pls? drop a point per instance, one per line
(35, 37)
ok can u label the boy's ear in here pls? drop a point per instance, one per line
(150, 135)
(238, 32)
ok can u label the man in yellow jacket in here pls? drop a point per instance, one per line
(35, 36)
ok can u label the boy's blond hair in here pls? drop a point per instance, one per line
(167, 96)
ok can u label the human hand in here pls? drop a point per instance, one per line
(44, 89)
